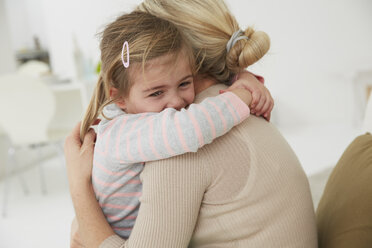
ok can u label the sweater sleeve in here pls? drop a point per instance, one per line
(153, 136)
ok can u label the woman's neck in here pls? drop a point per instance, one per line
(202, 82)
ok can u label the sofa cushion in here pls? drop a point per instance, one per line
(344, 214)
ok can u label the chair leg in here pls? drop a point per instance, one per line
(5, 189)
(61, 155)
(14, 163)
(42, 174)
(7, 174)
(42, 180)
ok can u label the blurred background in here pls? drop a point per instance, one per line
(319, 71)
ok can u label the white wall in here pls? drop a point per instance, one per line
(7, 61)
(26, 20)
(82, 19)
(317, 46)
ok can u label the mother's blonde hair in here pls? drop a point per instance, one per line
(209, 25)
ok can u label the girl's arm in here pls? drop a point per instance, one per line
(153, 136)
(262, 101)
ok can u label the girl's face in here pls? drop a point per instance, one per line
(166, 83)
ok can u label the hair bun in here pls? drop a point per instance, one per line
(247, 52)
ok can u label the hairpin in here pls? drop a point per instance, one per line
(126, 64)
(236, 36)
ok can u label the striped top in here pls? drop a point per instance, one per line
(125, 141)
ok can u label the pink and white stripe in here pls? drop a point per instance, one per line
(180, 134)
(219, 111)
(117, 218)
(232, 112)
(129, 155)
(118, 194)
(196, 126)
(115, 206)
(118, 138)
(165, 136)
(114, 184)
(117, 174)
(139, 146)
(151, 137)
(210, 121)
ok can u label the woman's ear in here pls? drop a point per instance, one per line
(120, 102)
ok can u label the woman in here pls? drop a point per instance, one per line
(247, 189)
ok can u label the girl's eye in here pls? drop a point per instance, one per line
(184, 84)
(157, 93)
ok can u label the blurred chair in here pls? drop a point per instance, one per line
(26, 105)
(34, 68)
(69, 98)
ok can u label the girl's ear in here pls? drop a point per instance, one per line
(119, 102)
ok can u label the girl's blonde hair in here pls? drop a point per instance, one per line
(209, 25)
(148, 37)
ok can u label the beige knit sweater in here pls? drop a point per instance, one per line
(246, 189)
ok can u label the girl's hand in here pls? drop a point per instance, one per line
(243, 94)
(262, 102)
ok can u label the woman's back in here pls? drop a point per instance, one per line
(246, 189)
(259, 195)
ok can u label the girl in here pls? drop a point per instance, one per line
(144, 109)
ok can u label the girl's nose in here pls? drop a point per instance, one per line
(176, 102)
